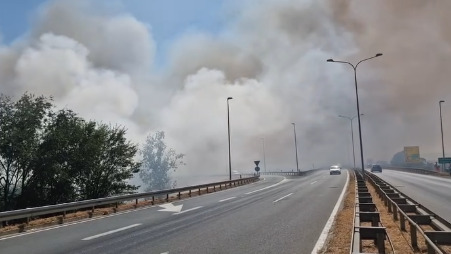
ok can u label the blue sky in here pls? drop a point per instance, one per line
(168, 19)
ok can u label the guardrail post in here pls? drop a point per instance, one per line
(214, 188)
(380, 243)
(60, 219)
(153, 200)
(167, 197)
(189, 193)
(402, 221)
(179, 195)
(199, 191)
(64, 214)
(413, 235)
(395, 212)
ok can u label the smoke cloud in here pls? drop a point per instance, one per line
(270, 57)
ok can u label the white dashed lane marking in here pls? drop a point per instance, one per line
(226, 199)
(110, 232)
(286, 196)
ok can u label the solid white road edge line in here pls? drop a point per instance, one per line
(110, 232)
(222, 200)
(188, 210)
(267, 187)
(286, 196)
(322, 238)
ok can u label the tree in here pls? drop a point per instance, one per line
(21, 123)
(82, 160)
(51, 157)
(55, 165)
(157, 162)
(105, 162)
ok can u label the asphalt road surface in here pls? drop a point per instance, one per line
(274, 215)
(431, 191)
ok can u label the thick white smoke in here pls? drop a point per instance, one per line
(270, 57)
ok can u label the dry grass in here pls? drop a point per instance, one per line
(400, 240)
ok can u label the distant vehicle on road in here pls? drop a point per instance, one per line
(335, 170)
(376, 168)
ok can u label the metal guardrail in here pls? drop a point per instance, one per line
(92, 203)
(405, 209)
(415, 170)
(365, 211)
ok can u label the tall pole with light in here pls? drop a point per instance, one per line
(352, 135)
(441, 129)
(357, 99)
(228, 128)
(296, 146)
(264, 155)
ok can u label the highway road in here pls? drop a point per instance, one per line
(431, 191)
(274, 215)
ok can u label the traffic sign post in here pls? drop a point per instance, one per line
(257, 169)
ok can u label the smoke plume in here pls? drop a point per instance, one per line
(270, 57)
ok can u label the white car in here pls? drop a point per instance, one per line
(335, 170)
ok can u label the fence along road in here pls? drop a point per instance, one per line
(431, 191)
(275, 215)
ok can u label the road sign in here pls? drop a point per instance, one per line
(256, 163)
(257, 169)
(444, 160)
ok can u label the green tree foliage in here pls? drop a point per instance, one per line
(157, 162)
(55, 167)
(20, 125)
(53, 157)
(105, 162)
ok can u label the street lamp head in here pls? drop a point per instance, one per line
(378, 54)
(441, 101)
(293, 123)
(229, 98)
(330, 60)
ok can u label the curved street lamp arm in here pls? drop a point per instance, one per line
(334, 61)
(378, 54)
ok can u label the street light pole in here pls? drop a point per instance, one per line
(264, 155)
(296, 146)
(228, 128)
(357, 100)
(441, 128)
(352, 135)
